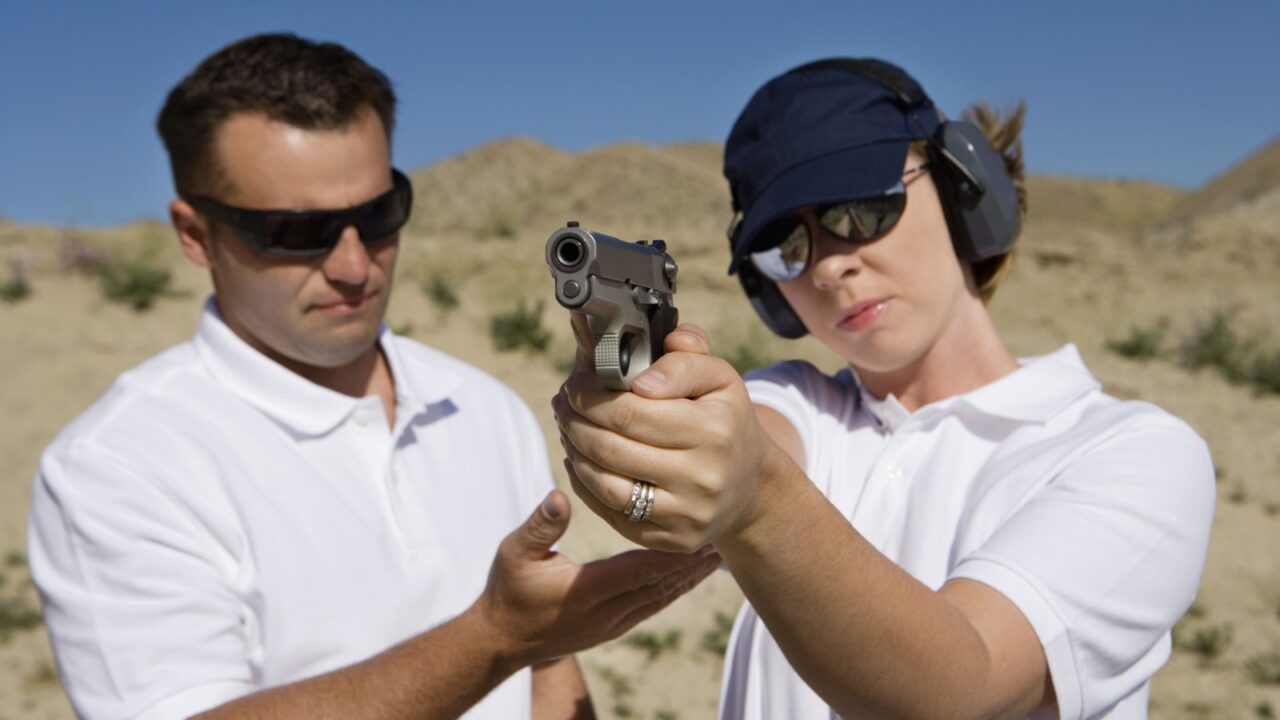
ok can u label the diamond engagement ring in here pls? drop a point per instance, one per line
(641, 505)
(637, 491)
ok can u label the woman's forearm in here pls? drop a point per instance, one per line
(870, 639)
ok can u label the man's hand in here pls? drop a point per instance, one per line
(541, 605)
(688, 427)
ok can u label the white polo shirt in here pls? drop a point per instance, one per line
(216, 524)
(1090, 514)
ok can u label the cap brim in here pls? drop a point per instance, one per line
(842, 175)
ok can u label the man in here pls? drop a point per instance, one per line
(298, 514)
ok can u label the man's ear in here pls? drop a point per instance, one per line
(193, 233)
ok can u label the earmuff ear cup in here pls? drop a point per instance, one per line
(979, 198)
(769, 303)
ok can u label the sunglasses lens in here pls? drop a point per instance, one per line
(859, 221)
(788, 259)
(383, 217)
(866, 219)
(309, 234)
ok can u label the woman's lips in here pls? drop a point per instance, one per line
(861, 316)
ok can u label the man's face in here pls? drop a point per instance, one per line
(321, 312)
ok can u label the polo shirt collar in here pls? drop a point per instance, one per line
(1034, 393)
(302, 406)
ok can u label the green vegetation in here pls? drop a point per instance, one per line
(1264, 669)
(1214, 343)
(1263, 710)
(1208, 642)
(620, 689)
(440, 292)
(1238, 494)
(651, 643)
(76, 255)
(498, 223)
(135, 281)
(17, 611)
(716, 640)
(520, 328)
(17, 286)
(1265, 372)
(1141, 343)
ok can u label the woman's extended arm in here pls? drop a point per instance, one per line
(865, 635)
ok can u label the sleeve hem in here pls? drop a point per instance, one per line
(194, 701)
(1048, 627)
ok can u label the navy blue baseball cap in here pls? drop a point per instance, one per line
(825, 132)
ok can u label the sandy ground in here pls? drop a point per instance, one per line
(1097, 258)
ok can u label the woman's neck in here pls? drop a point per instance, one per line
(967, 355)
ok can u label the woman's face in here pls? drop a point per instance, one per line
(884, 305)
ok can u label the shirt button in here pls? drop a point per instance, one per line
(895, 472)
(361, 417)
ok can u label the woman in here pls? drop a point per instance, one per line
(940, 530)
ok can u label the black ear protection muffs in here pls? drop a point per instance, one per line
(978, 197)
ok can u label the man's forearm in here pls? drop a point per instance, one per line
(437, 674)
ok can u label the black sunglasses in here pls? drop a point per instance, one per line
(789, 245)
(307, 233)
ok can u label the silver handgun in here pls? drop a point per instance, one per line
(625, 289)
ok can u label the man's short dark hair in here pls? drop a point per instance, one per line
(310, 85)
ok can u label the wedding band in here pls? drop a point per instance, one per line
(648, 508)
(637, 491)
(644, 505)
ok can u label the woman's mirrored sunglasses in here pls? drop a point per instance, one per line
(860, 221)
(305, 233)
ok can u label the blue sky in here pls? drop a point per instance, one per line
(1175, 92)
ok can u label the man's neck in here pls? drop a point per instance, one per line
(368, 374)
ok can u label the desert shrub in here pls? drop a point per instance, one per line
(135, 281)
(1208, 642)
(1264, 669)
(440, 292)
(17, 286)
(1215, 343)
(520, 327)
(1238, 494)
(1265, 373)
(76, 255)
(1264, 710)
(1140, 344)
(620, 688)
(17, 612)
(498, 223)
(716, 640)
(651, 643)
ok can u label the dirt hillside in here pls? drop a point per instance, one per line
(1147, 280)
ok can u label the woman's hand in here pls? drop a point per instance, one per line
(688, 428)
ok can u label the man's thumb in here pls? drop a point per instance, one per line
(545, 526)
